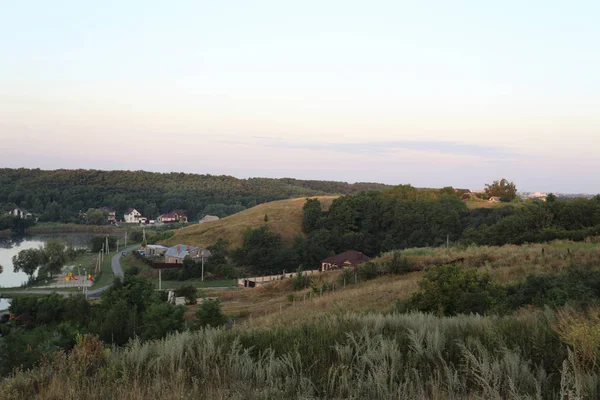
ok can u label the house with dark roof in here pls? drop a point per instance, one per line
(173, 216)
(347, 259)
(494, 199)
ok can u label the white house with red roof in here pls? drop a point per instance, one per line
(133, 216)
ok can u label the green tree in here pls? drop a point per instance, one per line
(95, 216)
(209, 313)
(259, 251)
(266, 219)
(451, 289)
(160, 319)
(53, 211)
(312, 215)
(27, 261)
(504, 189)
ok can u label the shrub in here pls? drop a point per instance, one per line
(209, 313)
(189, 292)
(399, 264)
(347, 276)
(367, 271)
(300, 281)
(450, 289)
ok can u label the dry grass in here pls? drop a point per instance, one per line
(270, 304)
(285, 217)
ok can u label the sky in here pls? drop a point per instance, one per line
(431, 93)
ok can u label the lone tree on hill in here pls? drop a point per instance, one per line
(504, 189)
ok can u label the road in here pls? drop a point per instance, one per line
(115, 265)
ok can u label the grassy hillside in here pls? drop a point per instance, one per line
(506, 264)
(350, 343)
(285, 218)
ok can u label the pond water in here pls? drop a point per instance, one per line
(4, 303)
(11, 246)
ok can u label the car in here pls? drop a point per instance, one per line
(124, 253)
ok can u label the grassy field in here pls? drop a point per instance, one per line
(270, 304)
(285, 217)
(351, 343)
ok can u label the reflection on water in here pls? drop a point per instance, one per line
(11, 246)
(4, 303)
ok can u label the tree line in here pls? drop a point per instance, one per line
(62, 195)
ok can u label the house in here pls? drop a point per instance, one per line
(176, 254)
(19, 212)
(208, 218)
(111, 215)
(173, 216)
(350, 258)
(494, 199)
(155, 250)
(133, 216)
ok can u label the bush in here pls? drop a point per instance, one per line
(300, 281)
(347, 277)
(399, 264)
(209, 313)
(451, 290)
(189, 292)
(367, 271)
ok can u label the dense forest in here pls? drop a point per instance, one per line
(403, 217)
(61, 195)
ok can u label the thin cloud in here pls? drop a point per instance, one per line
(444, 147)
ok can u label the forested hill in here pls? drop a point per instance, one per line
(60, 195)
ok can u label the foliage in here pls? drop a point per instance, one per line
(60, 195)
(312, 215)
(451, 290)
(189, 292)
(209, 313)
(300, 281)
(262, 252)
(366, 271)
(504, 189)
(399, 264)
(99, 241)
(359, 356)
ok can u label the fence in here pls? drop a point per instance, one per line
(260, 280)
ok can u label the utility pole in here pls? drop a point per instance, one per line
(447, 241)
(107, 246)
(144, 234)
(125, 238)
(117, 245)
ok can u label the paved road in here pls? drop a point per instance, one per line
(117, 270)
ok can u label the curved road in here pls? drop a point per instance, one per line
(117, 270)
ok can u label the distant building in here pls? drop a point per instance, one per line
(173, 216)
(347, 259)
(19, 212)
(208, 218)
(111, 215)
(494, 199)
(155, 249)
(133, 216)
(176, 254)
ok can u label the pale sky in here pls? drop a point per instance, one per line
(432, 93)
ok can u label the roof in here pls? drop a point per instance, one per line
(130, 210)
(174, 214)
(110, 210)
(179, 251)
(353, 257)
(463, 190)
(495, 198)
(156, 246)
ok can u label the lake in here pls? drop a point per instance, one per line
(11, 246)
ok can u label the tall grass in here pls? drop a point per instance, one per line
(352, 356)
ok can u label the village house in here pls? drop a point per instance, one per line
(494, 199)
(111, 215)
(176, 254)
(19, 212)
(133, 216)
(155, 250)
(208, 218)
(347, 259)
(173, 216)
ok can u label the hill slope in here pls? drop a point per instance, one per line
(285, 218)
(60, 195)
